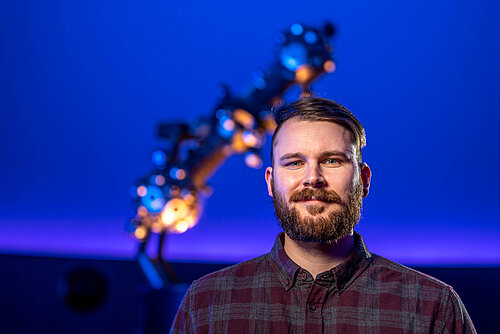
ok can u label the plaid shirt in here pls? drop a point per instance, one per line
(365, 294)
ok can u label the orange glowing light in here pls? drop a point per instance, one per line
(175, 210)
(244, 118)
(237, 143)
(268, 123)
(142, 211)
(329, 66)
(181, 226)
(178, 206)
(167, 217)
(180, 174)
(191, 220)
(140, 232)
(304, 73)
(189, 198)
(160, 180)
(142, 191)
(250, 139)
(228, 125)
(253, 161)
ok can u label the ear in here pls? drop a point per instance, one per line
(269, 178)
(366, 176)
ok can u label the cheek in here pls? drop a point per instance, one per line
(343, 181)
(287, 182)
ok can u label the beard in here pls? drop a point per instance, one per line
(334, 226)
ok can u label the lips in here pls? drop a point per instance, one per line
(313, 200)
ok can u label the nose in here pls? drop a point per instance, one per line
(314, 178)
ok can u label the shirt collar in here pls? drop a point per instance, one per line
(342, 275)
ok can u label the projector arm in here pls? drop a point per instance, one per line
(170, 198)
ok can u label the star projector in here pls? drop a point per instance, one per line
(164, 207)
(170, 198)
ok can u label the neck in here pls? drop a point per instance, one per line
(316, 257)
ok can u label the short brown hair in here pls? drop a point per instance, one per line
(316, 109)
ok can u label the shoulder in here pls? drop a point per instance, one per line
(240, 270)
(390, 271)
(214, 297)
(394, 281)
(208, 297)
(233, 277)
(422, 294)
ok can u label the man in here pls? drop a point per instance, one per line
(319, 277)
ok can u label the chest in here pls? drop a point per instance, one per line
(314, 308)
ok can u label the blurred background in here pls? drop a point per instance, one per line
(84, 84)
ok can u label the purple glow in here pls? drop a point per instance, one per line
(238, 240)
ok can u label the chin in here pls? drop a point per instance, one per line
(306, 214)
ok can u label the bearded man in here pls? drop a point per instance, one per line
(319, 277)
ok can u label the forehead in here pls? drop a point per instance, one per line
(311, 137)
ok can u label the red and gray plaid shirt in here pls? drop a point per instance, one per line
(365, 294)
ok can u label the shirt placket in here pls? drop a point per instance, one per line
(314, 308)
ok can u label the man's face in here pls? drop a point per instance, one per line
(316, 181)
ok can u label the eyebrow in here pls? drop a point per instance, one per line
(299, 155)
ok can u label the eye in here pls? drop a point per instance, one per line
(332, 161)
(294, 164)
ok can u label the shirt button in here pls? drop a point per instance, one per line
(312, 307)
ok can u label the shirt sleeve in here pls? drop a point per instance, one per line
(183, 319)
(453, 316)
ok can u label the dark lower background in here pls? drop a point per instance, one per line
(73, 295)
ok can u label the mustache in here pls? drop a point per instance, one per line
(319, 194)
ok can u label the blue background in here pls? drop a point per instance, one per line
(83, 85)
